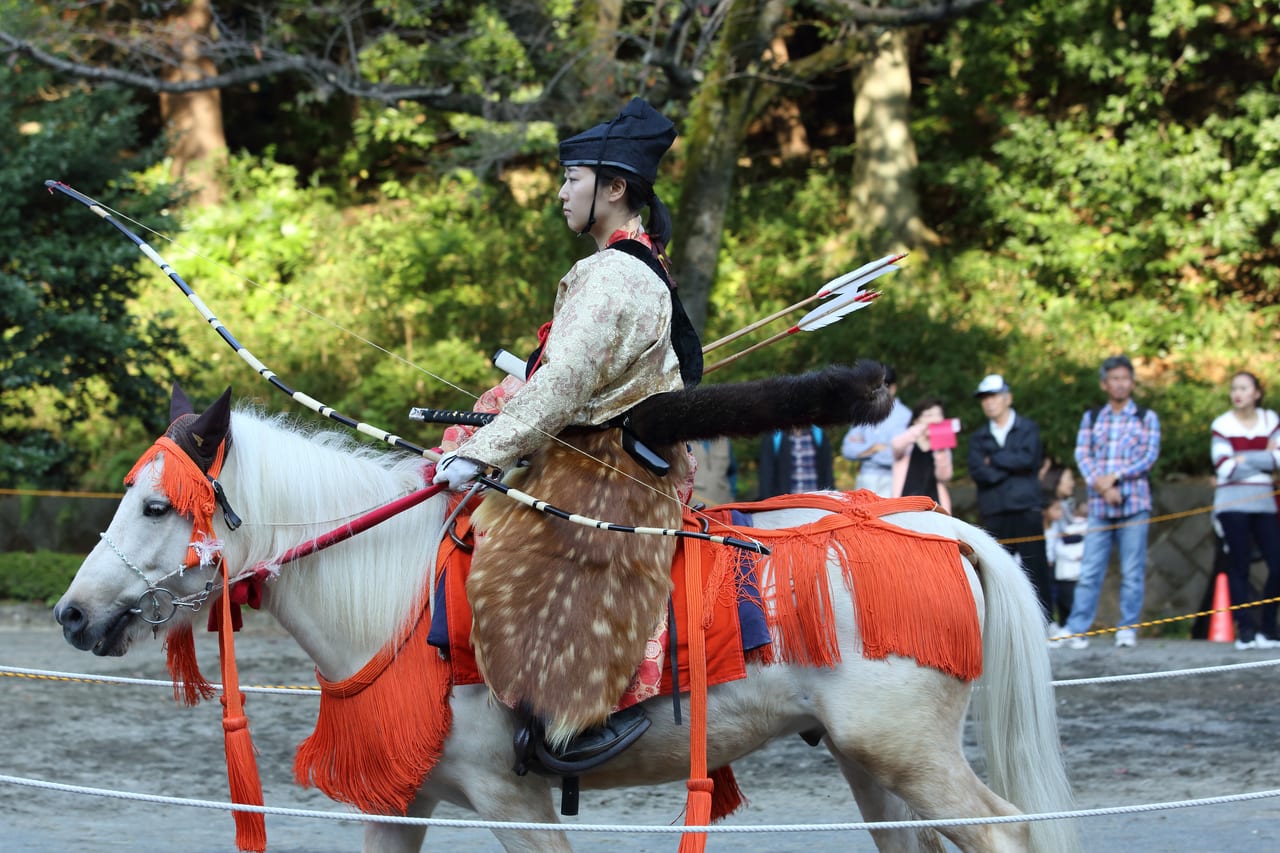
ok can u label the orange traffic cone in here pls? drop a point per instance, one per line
(1220, 627)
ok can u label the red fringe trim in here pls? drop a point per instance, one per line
(190, 686)
(910, 591)
(380, 732)
(185, 485)
(726, 797)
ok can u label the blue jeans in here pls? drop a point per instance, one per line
(1129, 534)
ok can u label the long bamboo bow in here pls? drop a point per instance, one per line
(369, 429)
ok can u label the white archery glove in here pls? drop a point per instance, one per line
(456, 470)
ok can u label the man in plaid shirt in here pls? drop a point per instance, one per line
(1116, 447)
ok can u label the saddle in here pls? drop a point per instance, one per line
(737, 631)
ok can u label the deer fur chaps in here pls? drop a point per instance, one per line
(561, 612)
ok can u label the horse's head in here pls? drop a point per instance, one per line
(157, 555)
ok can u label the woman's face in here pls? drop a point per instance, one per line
(1244, 394)
(1067, 484)
(931, 415)
(575, 196)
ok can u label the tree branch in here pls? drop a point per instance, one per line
(903, 16)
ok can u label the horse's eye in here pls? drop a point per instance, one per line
(156, 509)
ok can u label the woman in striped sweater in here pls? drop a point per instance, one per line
(1245, 456)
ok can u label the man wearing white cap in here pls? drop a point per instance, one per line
(1004, 461)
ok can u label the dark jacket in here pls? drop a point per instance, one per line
(1008, 478)
(776, 463)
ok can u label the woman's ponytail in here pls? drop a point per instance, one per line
(659, 224)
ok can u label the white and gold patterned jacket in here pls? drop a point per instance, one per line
(608, 349)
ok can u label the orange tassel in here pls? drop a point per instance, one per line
(698, 802)
(190, 686)
(909, 589)
(246, 787)
(697, 813)
(242, 766)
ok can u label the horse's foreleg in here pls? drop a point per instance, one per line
(398, 838)
(504, 796)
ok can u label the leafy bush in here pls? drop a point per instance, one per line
(40, 576)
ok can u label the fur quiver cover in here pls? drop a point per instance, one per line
(839, 394)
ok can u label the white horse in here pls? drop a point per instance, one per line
(893, 727)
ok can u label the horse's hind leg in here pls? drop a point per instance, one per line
(913, 750)
(879, 804)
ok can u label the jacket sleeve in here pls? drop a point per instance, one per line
(1221, 454)
(1146, 460)
(604, 333)
(982, 467)
(1084, 451)
(1022, 452)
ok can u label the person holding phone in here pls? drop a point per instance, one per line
(1005, 455)
(919, 466)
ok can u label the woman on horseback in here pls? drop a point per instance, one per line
(562, 613)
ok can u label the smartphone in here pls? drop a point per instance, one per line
(942, 435)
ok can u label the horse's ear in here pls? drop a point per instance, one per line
(208, 430)
(179, 404)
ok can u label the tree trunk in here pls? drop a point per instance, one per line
(884, 208)
(198, 144)
(782, 117)
(719, 114)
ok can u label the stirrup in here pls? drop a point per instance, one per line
(595, 746)
(527, 735)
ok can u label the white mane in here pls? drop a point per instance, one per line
(290, 484)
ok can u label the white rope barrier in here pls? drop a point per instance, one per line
(635, 828)
(82, 678)
(53, 675)
(1165, 673)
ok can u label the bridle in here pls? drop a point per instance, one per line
(159, 604)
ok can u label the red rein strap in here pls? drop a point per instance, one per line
(247, 589)
(359, 525)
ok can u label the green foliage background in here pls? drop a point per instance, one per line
(1101, 178)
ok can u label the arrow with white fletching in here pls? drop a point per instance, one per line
(820, 317)
(851, 281)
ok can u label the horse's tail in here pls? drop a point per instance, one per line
(1014, 707)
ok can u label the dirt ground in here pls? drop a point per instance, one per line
(1129, 743)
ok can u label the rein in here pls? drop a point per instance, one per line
(368, 429)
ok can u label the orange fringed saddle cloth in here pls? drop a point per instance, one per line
(380, 732)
